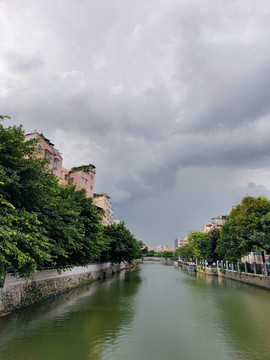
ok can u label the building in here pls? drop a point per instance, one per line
(117, 222)
(169, 248)
(178, 242)
(149, 247)
(47, 150)
(208, 227)
(217, 223)
(83, 177)
(103, 201)
(64, 176)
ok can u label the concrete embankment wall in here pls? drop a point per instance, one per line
(207, 270)
(18, 292)
(252, 279)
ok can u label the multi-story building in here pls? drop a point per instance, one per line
(208, 227)
(178, 242)
(47, 150)
(217, 223)
(103, 201)
(81, 176)
(64, 176)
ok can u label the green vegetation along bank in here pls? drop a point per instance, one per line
(247, 229)
(45, 224)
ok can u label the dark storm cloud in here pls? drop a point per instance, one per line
(162, 96)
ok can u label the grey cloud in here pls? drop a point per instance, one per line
(20, 63)
(161, 96)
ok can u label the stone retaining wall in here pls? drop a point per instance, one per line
(18, 292)
(206, 270)
(253, 279)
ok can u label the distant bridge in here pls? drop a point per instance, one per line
(152, 258)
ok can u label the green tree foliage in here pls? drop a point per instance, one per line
(247, 228)
(201, 244)
(165, 254)
(24, 181)
(185, 251)
(24, 247)
(204, 245)
(121, 244)
(147, 253)
(43, 223)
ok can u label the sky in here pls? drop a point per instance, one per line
(169, 99)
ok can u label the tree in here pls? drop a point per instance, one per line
(201, 244)
(186, 251)
(24, 184)
(204, 244)
(24, 180)
(121, 244)
(24, 246)
(246, 229)
(165, 254)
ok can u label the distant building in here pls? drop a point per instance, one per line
(162, 248)
(117, 222)
(169, 248)
(149, 247)
(208, 227)
(217, 223)
(103, 202)
(48, 151)
(179, 242)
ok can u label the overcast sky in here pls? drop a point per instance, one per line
(170, 99)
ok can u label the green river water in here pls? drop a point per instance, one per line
(155, 312)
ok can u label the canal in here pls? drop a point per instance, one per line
(155, 312)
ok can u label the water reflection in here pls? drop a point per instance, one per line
(74, 325)
(238, 313)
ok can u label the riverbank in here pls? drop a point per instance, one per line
(247, 278)
(18, 292)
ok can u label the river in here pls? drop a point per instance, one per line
(156, 312)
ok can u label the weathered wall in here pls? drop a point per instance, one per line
(207, 270)
(18, 292)
(253, 279)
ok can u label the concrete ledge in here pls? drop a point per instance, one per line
(18, 292)
(207, 270)
(252, 279)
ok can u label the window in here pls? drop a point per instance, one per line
(47, 154)
(71, 180)
(91, 187)
(56, 163)
(86, 182)
(66, 176)
(91, 177)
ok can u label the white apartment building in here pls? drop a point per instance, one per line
(103, 201)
